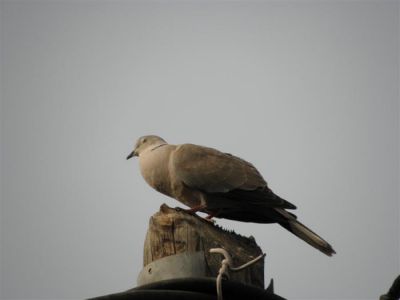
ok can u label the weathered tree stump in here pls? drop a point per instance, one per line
(174, 231)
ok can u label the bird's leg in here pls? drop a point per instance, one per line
(195, 209)
(211, 216)
(202, 204)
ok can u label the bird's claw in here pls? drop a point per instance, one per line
(210, 220)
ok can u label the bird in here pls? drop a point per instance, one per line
(219, 184)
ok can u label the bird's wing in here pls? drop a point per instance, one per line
(223, 175)
(212, 171)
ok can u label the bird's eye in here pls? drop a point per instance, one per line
(144, 141)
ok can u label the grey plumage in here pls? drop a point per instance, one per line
(217, 183)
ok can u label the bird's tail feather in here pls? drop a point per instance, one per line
(306, 234)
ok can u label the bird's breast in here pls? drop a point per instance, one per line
(154, 169)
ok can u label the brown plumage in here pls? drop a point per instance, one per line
(217, 183)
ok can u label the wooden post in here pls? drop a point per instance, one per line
(174, 231)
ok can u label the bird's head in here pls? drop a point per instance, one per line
(146, 142)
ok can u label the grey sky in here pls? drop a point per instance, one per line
(307, 91)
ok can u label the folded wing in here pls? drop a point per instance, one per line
(223, 174)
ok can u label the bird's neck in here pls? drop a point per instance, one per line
(158, 146)
(154, 167)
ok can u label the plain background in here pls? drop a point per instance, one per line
(305, 90)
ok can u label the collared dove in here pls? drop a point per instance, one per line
(219, 184)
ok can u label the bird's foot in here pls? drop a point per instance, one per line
(195, 209)
(210, 219)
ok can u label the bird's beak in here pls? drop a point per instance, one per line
(133, 153)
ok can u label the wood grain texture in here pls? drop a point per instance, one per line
(174, 231)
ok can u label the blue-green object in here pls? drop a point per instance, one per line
(184, 265)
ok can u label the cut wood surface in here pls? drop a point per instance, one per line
(175, 231)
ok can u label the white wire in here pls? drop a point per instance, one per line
(227, 264)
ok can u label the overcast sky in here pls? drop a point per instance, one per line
(305, 90)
